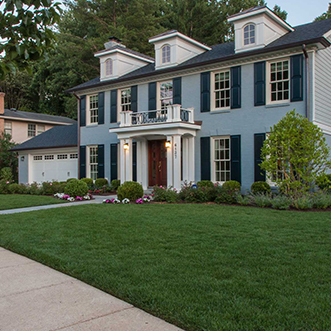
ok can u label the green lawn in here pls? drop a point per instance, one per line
(202, 267)
(12, 201)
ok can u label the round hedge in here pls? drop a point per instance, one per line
(100, 182)
(232, 186)
(130, 190)
(88, 181)
(260, 188)
(205, 183)
(76, 188)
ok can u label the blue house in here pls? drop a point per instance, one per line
(196, 112)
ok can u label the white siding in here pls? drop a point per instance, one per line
(323, 87)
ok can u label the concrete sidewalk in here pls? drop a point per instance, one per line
(97, 199)
(35, 297)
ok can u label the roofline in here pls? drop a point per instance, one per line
(34, 148)
(180, 35)
(264, 9)
(22, 119)
(321, 40)
(115, 50)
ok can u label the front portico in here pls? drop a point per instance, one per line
(165, 146)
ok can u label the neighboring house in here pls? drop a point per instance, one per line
(22, 125)
(202, 113)
(50, 156)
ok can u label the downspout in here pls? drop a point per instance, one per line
(78, 119)
(307, 85)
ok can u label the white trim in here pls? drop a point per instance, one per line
(212, 156)
(116, 50)
(249, 37)
(19, 119)
(180, 35)
(88, 164)
(213, 92)
(88, 110)
(158, 91)
(325, 128)
(313, 86)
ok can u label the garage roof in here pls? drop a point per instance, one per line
(58, 136)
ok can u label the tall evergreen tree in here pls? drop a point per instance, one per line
(325, 15)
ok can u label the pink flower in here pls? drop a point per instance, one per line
(79, 198)
(112, 200)
(7, 182)
(51, 184)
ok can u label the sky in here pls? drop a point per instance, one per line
(300, 12)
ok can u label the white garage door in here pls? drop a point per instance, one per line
(54, 167)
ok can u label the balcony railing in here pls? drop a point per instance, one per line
(173, 113)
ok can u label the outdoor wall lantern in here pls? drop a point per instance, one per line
(126, 146)
(167, 144)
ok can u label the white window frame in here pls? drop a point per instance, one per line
(249, 34)
(268, 81)
(94, 164)
(73, 156)
(49, 157)
(62, 156)
(40, 128)
(32, 130)
(214, 91)
(8, 126)
(37, 157)
(123, 106)
(89, 114)
(159, 99)
(109, 67)
(214, 160)
(165, 54)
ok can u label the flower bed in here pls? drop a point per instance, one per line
(67, 197)
(144, 199)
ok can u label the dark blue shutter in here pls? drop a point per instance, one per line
(236, 87)
(259, 174)
(205, 92)
(152, 99)
(113, 106)
(134, 161)
(113, 161)
(205, 158)
(83, 110)
(235, 158)
(82, 160)
(259, 84)
(177, 88)
(296, 78)
(134, 98)
(101, 108)
(101, 161)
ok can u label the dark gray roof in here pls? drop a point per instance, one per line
(164, 34)
(36, 116)
(126, 50)
(249, 10)
(58, 136)
(302, 34)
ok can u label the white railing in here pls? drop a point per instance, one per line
(173, 113)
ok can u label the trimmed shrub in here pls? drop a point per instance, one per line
(205, 183)
(6, 174)
(161, 194)
(226, 196)
(76, 188)
(100, 182)
(197, 195)
(70, 179)
(3, 186)
(23, 189)
(303, 203)
(34, 189)
(88, 181)
(232, 186)
(130, 190)
(260, 188)
(262, 200)
(115, 183)
(321, 200)
(324, 182)
(13, 188)
(281, 202)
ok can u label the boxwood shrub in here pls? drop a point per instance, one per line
(130, 190)
(260, 188)
(76, 188)
(100, 182)
(232, 186)
(88, 181)
(205, 183)
(115, 183)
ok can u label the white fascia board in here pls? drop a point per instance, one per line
(180, 35)
(34, 121)
(116, 50)
(262, 11)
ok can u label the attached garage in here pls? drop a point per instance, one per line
(51, 156)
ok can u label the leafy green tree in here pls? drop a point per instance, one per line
(325, 15)
(295, 154)
(7, 158)
(280, 13)
(25, 32)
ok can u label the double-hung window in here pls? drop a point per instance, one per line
(126, 99)
(166, 94)
(249, 34)
(165, 54)
(31, 130)
(40, 129)
(93, 162)
(222, 88)
(8, 128)
(109, 67)
(93, 107)
(221, 165)
(279, 81)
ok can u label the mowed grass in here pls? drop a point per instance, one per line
(12, 201)
(201, 267)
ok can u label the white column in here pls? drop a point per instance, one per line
(176, 113)
(185, 159)
(191, 159)
(139, 163)
(177, 162)
(128, 161)
(122, 161)
(144, 163)
(169, 163)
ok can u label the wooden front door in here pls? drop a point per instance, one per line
(157, 163)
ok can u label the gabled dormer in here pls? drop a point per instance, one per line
(256, 28)
(173, 48)
(116, 60)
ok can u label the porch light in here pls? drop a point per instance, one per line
(167, 144)
(126, 146)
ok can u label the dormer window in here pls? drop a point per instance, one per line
(165, 54)
(249, 34)
(109, 67)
